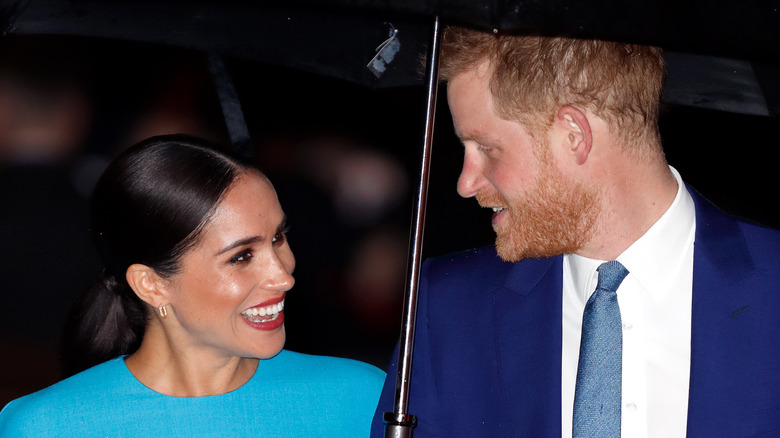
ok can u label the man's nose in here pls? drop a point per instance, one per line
(471, 179)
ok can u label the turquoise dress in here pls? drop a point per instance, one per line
(290, 395)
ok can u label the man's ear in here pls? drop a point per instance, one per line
(147, 284)
(576, 127)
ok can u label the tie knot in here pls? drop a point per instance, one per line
(611, 274)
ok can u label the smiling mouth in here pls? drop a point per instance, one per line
(498, 213)
(263, 314)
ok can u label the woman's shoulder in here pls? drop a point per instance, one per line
(342, 392)
(300, 372)
(55, 404)
(314, 366)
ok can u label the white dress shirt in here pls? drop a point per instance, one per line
(655, 308)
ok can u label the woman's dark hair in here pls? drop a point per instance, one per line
(149, 207)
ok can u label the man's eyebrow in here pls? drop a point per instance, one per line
(240, 242)
(477, 136)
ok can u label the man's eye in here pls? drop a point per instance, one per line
(242, 257)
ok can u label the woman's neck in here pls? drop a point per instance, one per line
(186, 372)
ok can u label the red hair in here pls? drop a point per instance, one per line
(533, 76)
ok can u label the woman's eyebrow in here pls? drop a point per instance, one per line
(282, 224)
(241, 242)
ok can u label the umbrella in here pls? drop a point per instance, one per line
(722, 51)
(722, 56)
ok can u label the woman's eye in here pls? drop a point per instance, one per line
(280, 237)
(242, 257)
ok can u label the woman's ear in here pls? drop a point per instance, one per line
(579, 137)
(147, 284)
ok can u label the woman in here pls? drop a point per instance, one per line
(188, 316)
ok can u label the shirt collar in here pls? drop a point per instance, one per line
(653, 257)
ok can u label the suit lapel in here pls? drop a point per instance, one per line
(721, 321)
(527, 328)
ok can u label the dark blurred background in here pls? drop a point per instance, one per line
(343, 158)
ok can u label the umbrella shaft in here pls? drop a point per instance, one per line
(399, 421)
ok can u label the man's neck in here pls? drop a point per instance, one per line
(633, 199)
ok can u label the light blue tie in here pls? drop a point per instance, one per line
(597, 395)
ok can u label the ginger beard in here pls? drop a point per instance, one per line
(556, 216)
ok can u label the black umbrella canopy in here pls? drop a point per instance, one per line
(737, 43)
(748, 30)
(315, 38)
(744, 30)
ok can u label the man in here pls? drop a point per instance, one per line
(561, 140)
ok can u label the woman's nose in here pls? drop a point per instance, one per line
(279, 272)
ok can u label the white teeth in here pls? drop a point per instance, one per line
(497, 209)
(272, 311)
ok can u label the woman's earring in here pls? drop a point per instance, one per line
(163, 311)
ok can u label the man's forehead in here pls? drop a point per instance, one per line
(468, 91)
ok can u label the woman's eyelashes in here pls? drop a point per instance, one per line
(242, 257)
(281, 235)
(246, 254)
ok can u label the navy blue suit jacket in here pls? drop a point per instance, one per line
(487, 355)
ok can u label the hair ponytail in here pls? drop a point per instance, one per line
(106, 321)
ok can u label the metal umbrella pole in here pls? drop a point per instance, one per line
(399, 423)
